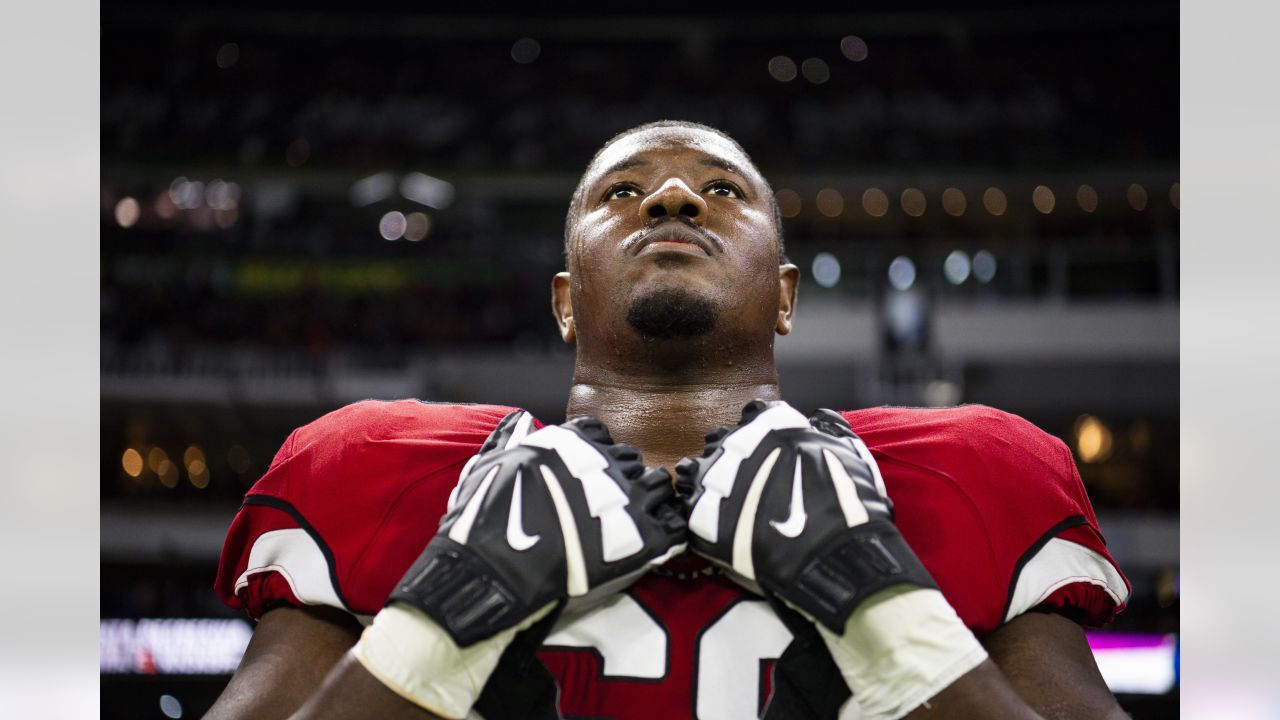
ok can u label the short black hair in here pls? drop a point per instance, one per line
(571, 217)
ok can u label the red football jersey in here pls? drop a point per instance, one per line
(992, 505)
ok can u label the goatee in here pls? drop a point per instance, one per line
(671, 314)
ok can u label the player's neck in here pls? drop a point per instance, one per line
(667, 417)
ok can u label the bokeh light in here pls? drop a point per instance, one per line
(1137, 197)
(168, 475)
(186, 194)
(221, 195)
(227, 55)
(170, 707)
(853, 48)
(782, 68)
(127, 212)
(225, 219)
(198, 474)
(427, 190)
(1093, 439)
(392, 225)
(1087, 198)
(238, 459)
(914, 202)
(156, 459)
(875, 202)
(1042, 197)
(826, 269)
(954, 202)
(164, 207)
(984, 266)
(789, 202)
(830, 202)
(525, 50)
(902, 273)
(956, 267)
(192, 454)
(815, 71)
(995, 201)
(131, 462)
(416, 226)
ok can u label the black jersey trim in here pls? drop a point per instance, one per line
(285, 506)
(1036, 547)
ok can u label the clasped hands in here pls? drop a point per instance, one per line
(791, 507)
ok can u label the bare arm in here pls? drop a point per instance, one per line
(291, 652)
(352, 692)
(1041, 667)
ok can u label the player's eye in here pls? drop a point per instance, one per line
(724, 188)
(619, 191)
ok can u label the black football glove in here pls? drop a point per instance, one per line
(538, 518)
(558, 513)
(797, 507)
(793, 505)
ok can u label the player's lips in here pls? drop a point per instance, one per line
(674, 237)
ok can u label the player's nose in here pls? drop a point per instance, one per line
(674, 199)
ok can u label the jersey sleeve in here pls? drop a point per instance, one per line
(996, 510)
(347, 504)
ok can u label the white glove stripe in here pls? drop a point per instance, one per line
(457, 487)
(619, 535)
(602, 494)
(575, 565)
(743, 534)
(854, 513)
(520, 431)
(461, 529)
(865, 453)
(578, 455)
(720, 477)
(605, 500)
(517, 434)
(738, 445)
(746, 439)
(704, 521)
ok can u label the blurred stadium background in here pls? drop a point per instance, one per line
(304, 209)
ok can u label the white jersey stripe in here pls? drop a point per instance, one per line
(298, 559)
(1058, 564)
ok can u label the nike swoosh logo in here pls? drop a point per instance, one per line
(516, 536)
(794, 524)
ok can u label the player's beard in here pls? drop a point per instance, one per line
(671, 314)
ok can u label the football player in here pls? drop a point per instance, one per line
(411, 560)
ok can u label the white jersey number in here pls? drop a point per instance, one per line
(731, 651)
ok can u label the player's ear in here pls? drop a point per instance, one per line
(562, 306)
(788, 281)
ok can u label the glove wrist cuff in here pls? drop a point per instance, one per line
(900, 648)
(843, 575)
(418, 659)
(459, 591)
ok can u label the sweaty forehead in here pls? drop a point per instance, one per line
(655, 144)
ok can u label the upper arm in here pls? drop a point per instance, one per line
(1047, 660)
(291, 651)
